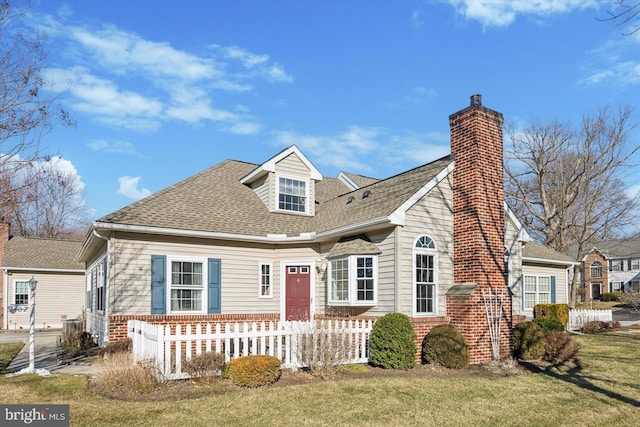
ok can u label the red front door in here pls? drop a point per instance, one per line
(298, 292)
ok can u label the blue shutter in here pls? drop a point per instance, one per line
(213, 286)
(553, 289)
(158, 284)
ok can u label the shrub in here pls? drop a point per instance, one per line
(77, 343)
(444, 345)
(631, 300)
(392, 342)
(118, 374)
(528, 341)
(253, 371)
(610, 296)
(559, 312)
(548, 325)
(596, 326)
(323, 350)
(205, 366)
(560, 348)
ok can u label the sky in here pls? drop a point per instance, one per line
(163, 89)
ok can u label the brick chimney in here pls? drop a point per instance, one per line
(478, 228)
(4, 237)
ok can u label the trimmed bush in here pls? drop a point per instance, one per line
(253, 371)
(528, 341)
(77, 343)
(392, 342)
(610, 296)
(549, 325)
(597, 326)
(205, 366)
(445, 345)
(558, 312)
(560, 348)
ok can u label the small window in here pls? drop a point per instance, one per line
(22, 293)
(265, 280)
(186, 286)
(293, 270)
(292, 195)
(99, 272)
(596, 269)
(304, 270)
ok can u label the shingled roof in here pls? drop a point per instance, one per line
(41, 254)
(533, 250)
(216, 201)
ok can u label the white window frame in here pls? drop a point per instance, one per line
(591, 267)
(432, 251)
(635, 264)
(537, 292)
(170, 286)
(620, 285)
(15, 292)
(352, 281)
(261, 277)
(98, 270)
(616, 265)
(306, 194)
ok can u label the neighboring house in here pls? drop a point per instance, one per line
(611, 266)
(545, 274)
(61, 281)
(280, 241)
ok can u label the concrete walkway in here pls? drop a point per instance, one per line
(47, 354)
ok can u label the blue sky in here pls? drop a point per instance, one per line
(161, 90)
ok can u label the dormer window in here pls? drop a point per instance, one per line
(292, 194)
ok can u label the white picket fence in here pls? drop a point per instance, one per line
(167, 349)
(577, 318)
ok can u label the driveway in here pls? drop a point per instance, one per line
(625, 314)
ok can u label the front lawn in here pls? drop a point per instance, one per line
(606, 391)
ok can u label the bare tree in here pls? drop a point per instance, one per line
(565, 181)
(46, 201)
(27, 107)
(625, 14)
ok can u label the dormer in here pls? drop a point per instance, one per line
(286, 183)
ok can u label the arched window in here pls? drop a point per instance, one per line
(425, 262)
(596, 269)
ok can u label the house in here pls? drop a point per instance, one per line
(546, 276)
(60, 281)
(610, 266)
(280, 241)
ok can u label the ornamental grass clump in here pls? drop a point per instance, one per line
(392, 342)
(204, 367)
(445, 345)
(528, 341)
(253, 371)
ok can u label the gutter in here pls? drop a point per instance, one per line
(550, 261)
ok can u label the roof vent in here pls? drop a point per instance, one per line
(366, 194)
(350, 199)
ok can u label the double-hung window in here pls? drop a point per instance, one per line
(353, 280)
(596, 270)
(616, 265)
(424, 277)
(617, 286)
(186, 286)
(635, 263)
(265, 280)
(292, 194)
(537, 290)
(22, 293)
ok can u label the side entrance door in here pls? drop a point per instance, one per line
(298, 292)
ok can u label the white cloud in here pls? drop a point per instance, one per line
(121, 79)
(246, 128)
(116, 147)
(418, 95)
(128, 187)
(614, 61)
(352, 149)
(502, 13)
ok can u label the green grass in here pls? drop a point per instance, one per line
(7, 353)
(605, 392)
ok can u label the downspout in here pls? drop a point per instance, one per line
(5, 295)
(105, 339)
(396, 261)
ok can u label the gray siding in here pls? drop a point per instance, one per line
(56, 294)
